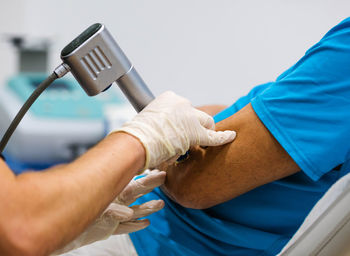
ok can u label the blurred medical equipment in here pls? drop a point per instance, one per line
(96, 61)
(33, 53)
(62, 124)
(326, 230)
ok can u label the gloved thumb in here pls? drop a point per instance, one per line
(139, 187)
(214, 138)
(205, 120)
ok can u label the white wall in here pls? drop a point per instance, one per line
(211, 51)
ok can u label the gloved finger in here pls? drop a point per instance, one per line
(140, 187)
(100, 229)
(213, 138)
(205, 120)
(131, 226)
(147, 208)
(118, 212)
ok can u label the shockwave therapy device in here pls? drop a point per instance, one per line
(96, 61)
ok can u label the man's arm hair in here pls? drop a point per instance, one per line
(217, 174)
(42, 211)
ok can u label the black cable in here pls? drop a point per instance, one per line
(25, 108)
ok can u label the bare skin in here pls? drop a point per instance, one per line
(41, 211)
(212, 109)
(217, 174)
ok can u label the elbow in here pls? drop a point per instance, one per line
(185, 186)
(193, 202)
(187, 198)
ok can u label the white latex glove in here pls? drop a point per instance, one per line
(169, 125)
(118, 218)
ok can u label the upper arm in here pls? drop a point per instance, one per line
(212, 109)
(305, 110)
(216, 174)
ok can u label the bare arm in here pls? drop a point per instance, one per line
(217, 174)
(212, 109)
(41, 211)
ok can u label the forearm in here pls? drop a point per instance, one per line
(69, 197)
(39, 212)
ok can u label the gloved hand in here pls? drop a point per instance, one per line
(118, 218)
(169, 125)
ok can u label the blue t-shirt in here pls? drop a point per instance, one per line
(307, 110)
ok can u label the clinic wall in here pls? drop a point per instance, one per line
(211, 51)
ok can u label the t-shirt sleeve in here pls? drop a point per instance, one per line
(307, 109)
(240, 103)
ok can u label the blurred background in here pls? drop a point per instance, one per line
(208, 51)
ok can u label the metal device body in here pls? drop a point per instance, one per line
(135, 89)
(97, 61)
